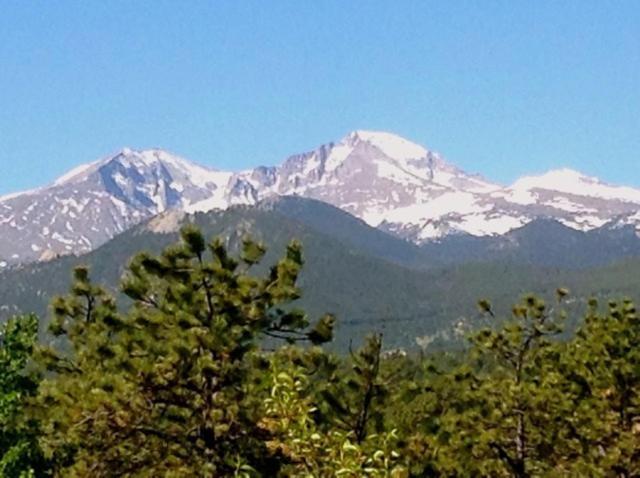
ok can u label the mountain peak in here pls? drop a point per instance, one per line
(573, 182)
(147, 157)
(98, 200)
(562, 174)
(141, 160)
(382, 178)
(392, 145)
(83, 171)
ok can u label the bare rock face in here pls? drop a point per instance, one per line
(388, 181)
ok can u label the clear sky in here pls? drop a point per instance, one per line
(499, 87)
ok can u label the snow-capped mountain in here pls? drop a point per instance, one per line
(379, 177)
(388, 181)
(407, 190)
(96, 201)
(577, 200)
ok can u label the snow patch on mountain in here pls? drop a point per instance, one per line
(77, 171)
(392, 145)
(338, 154)
(573, 182)
(480, 224)
(455, 202)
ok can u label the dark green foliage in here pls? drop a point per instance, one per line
(355, 399)
(210, 368)
(164, 388)
(603, 365)
(20, 454)
(523, 404)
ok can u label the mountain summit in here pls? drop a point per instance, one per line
(96, 201)
(380, 177)
(386, 180)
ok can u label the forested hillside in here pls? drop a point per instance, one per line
(208, 370)
(367, 278)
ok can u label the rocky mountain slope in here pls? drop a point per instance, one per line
(387, 181)
(405, 189)
(96, 201)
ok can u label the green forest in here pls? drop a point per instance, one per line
(208, 369)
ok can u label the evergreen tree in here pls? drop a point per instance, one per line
(163, 388)
(499, 422)
(355, 400)
(603, 366)
(20, 455)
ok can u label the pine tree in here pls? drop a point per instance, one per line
(603, 366)
(495, 425)
(355, 401)
(162, 389)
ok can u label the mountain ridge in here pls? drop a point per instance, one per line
(388, 181)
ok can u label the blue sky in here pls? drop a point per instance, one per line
(499, 87)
